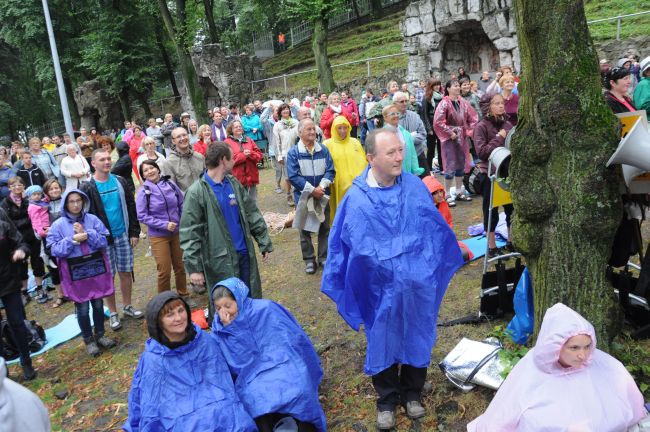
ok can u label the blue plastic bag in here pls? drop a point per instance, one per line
(521, 326)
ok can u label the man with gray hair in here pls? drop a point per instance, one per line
(305, 113)
(412, 122)
(183, 165)
(391, 257)
(311, 171)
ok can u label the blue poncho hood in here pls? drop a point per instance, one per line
(266, 348)
(391, 256)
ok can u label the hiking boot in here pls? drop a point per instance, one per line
(29, 373)
(105, 342)
(132, 312)
(414, 410)
(385, 420)
(114, 322)
(509, 248)
(190, 302)
(91, 348)
(310, 267)
(290, 201)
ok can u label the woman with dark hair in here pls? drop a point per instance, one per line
(160, 205)
(16, 207)
(489, 134)
(182, 382)
(432, 97)
(285, 133)
(453, 121)
(265, 348)
(617, 83)
(79, 240)
(124, 167)
(246, 155)
(462, 74)
(13, 250)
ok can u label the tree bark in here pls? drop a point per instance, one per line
(72, 104)
(208, 7)
(177, 35)
(567, 204)
(168, 63)
(144, 103)
(319, 47)
(377, 9)
(123, 97)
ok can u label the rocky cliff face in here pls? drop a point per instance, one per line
(442, 35)
(96, 108)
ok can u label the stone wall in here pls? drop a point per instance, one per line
(441, 35)
(225, 79)
(96, 108)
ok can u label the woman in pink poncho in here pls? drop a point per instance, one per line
(564, 384)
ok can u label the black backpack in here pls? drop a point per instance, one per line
(35, 338)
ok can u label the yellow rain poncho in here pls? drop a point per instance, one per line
(349, 161)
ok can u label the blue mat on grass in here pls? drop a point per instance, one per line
(478, 244)
(62, 332)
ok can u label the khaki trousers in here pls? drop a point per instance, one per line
(167, 253)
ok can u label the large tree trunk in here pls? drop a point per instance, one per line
(208, 7)
(168, 63)
(144, 103)
(72, 105)
(567, 204)
(123, 97)
(377, 9)
(184, 59)
(319, 47)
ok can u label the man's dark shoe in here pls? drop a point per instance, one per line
(28, 371)
(105, 342)
(310, 267)
(509, 248)
(493, 253)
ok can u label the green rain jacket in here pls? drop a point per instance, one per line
(206, 242)
(642, 95)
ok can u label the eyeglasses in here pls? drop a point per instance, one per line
(75, 201)
(392, 114)
(400, 101)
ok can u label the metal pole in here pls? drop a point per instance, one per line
(57, 71)
(368, 64)
(291, 34)
(618, 29)
(285, 83)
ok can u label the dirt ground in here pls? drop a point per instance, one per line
(97, 389)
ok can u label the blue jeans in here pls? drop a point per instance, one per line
(83, 318)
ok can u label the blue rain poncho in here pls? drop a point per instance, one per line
(188, 388)
(276, 367)
(391, 257)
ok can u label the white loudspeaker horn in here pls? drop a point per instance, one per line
(634, 149)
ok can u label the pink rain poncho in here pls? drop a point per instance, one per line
(541, 395)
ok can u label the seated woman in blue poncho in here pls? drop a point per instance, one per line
(276, 369)
(182, 382)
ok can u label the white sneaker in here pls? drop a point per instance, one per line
(148, 254)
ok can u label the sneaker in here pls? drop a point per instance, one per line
(105, 342)
(149, 253)
(29, 373)
(143, 235)
(132, 312)
(92, 349)
(114, 322)
(190, 302)
(509, 248)
(451, 200)
(464, 197)
(493, 253)
(26, 298)
(290, 201)
(414, 410)
(43, 297)
(385, 420)
(310, 267)
(278, 190)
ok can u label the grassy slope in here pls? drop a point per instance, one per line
(384, 37)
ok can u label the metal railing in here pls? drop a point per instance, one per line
(285, 76)
(618, 19)
(56, 127)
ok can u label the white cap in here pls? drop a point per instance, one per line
(645, 64)
(159, 120)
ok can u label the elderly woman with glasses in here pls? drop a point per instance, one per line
(391, 122)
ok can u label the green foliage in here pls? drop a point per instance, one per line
(311, 10)
(511, 352)
(630, 27)
(635, 355)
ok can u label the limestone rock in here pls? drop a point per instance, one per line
(412, 26)
(96, 108)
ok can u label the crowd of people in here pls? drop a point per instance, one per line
(362, 178)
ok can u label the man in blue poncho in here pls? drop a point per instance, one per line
(391, 257)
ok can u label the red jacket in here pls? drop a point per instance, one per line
(327, 118)
(245, 169)
(350, 108)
